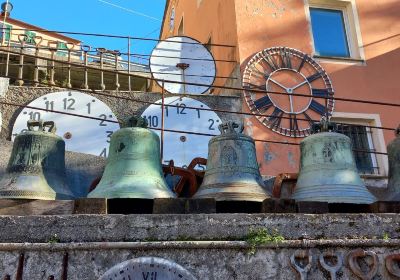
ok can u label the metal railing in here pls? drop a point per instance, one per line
(72, 65)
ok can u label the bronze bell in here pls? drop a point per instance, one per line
(133, 167)
(232, 171)
(328, 172)
(36, 169)
(394, 168)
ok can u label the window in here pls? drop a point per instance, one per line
(180, 29)
(61, 49)
(335, 29)
(330, 38)
(172, 19)
(6, 31)
(361, 138)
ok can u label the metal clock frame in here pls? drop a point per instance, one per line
(285, 59)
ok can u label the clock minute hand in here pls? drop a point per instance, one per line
(299, 85)
(278, 84)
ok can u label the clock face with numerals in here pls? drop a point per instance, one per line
(183, 147)
(148, 268)
(80, 134)
(285, 74)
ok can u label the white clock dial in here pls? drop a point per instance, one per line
(183, 147)
(82, 135)
(183, 60)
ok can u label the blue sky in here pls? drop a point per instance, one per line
(137, 18)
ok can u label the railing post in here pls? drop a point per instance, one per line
(70, 47)
(116, 53)
(38, 41)
(53, 48)
(162, 119)
(21, 38)
(85, 50)
(102, 51)
(8, 53)
(129, 64)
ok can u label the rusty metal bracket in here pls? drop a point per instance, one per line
(392, 264)
(64, 272)
(188, 176)
(277, 188)
(20, 268)
(355, 267)
(331, 269)
(303, 271)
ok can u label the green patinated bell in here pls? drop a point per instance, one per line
(36, 169)
(328, 172)
(232, 170)
(394, 168)
(133, 167)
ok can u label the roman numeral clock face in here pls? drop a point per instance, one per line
(286, 74)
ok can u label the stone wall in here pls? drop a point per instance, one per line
(208, 246)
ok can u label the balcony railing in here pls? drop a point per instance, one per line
(75, 66)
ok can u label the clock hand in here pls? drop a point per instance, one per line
(279, 84)
(299, 85)
(291, 103)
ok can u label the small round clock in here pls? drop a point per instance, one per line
(289, 72)
(183, 147)
(82, 135)
(148, 268)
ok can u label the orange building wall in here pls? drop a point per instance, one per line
(203, 19)
(261, 24)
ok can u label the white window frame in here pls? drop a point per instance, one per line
(376, 139)
(351, 25)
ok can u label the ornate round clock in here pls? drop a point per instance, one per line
(148, 268)
(287, 73)
(83, 135)
(183, 147)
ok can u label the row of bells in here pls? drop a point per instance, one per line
(328, 172)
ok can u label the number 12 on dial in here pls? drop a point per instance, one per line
(178, 146)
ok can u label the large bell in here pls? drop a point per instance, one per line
(133, 167)
(394, 168)
(328, 172)
(36, 169)
(232, 171)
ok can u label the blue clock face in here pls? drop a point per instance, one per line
(183, 147)
(84, 135)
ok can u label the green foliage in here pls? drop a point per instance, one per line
(386, 236)
(258, 237)
(54, 239)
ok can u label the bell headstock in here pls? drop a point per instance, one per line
(137, 121)
(230, 127)
(42, 125)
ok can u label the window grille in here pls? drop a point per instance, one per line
(361, 138)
